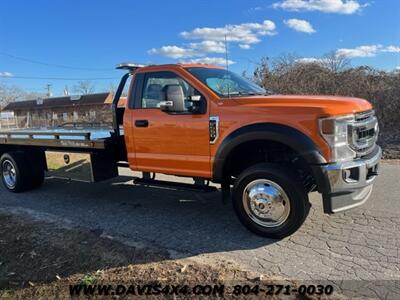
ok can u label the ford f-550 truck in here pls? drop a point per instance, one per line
(268, 152)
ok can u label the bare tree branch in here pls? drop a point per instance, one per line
(10, 94)
(334, 62)
(84, 87)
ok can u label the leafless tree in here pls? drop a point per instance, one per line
(84, 87)
(284, 62)
(9, 94)
(335, 62)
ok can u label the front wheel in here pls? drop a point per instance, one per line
(270, 201)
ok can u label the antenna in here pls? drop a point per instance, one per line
(226, 54)
(226, 59)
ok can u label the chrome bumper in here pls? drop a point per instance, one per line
(350, 183)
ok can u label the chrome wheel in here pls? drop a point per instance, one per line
(266, 203)
(9, 174)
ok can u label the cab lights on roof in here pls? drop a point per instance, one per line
(129, 66)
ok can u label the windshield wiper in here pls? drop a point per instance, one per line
(250, 93)
(245, 94)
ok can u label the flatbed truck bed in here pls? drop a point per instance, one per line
(87, 154)
(84, 153)
(86, 138)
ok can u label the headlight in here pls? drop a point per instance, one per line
(335, 131)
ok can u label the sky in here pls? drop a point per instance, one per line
(60, 42)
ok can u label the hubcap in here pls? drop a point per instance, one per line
(9, 174)
(266, 203)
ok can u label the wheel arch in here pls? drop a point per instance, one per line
(294, 139)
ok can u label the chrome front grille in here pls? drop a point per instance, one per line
(363, 132)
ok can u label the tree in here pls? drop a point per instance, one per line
(84, 87)
(14, 93)
(335, 62)
(284, 62)
(10, 94)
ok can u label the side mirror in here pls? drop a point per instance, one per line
(166, 105)
(175, 101)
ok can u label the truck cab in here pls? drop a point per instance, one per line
(267, 151)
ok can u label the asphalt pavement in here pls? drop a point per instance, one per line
(360, 244)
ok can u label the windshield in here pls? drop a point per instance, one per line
(226, 83)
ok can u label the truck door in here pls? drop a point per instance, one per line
(168, 142)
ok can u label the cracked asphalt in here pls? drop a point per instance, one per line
(361, 244)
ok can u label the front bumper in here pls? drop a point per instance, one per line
(349, 184)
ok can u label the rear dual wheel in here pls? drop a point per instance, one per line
(270, 201)
(21, 172)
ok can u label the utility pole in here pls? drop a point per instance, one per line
(48, 87)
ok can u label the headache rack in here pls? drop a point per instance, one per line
(118, 112)
(56, 139)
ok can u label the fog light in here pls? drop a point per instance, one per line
(346, 174)
(351, 175)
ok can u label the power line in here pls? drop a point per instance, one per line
(57, 78)
(53, 65)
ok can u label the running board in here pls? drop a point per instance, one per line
(175, 185)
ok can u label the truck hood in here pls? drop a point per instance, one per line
(330, 105)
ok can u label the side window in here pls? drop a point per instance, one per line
(135, 92)
(154, 90)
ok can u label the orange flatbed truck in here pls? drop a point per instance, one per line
(268, 152)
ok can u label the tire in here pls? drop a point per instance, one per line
(270, 201)
(20, 173)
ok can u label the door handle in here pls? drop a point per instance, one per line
(142, 123)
